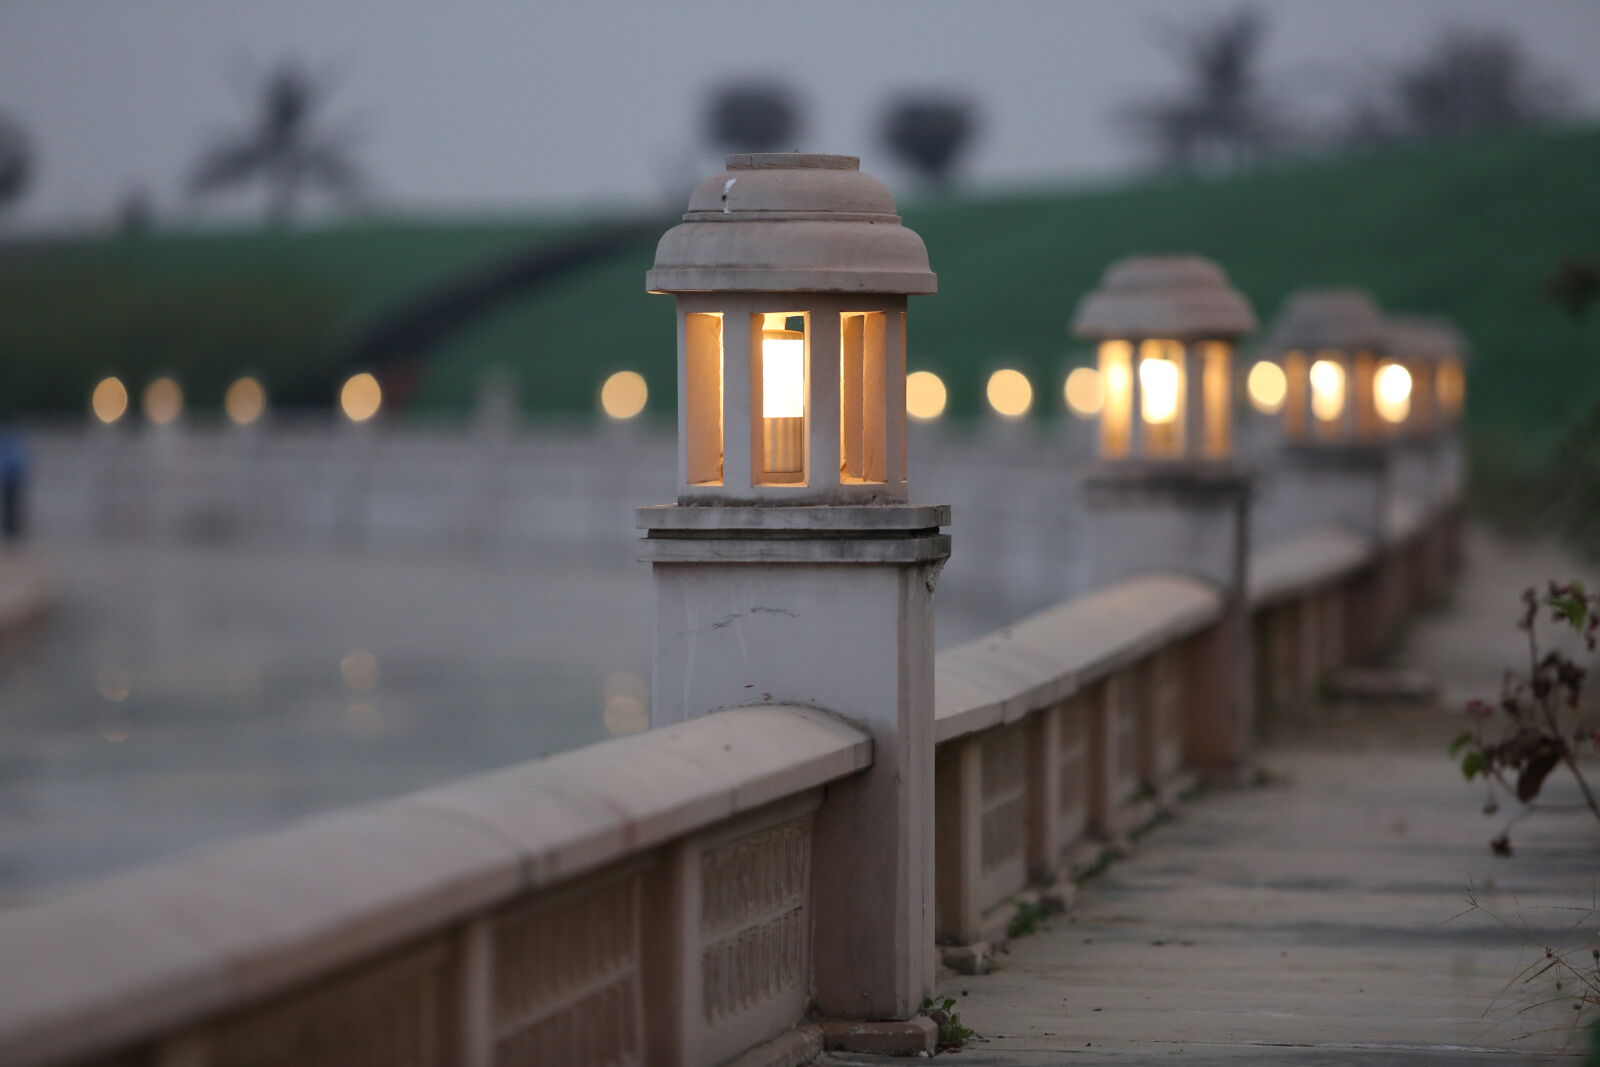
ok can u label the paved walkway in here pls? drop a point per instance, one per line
(1309, 920)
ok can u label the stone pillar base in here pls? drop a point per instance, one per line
(896, 1037)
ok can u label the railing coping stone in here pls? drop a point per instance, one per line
(1052, 654)
(140, 954)
(1311, 558)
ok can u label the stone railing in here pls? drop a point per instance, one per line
(644, 900)
(649, 899)
(1064, 734)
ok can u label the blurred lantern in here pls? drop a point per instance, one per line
(1328, 342)
(1430, 351)
(163, 401)
(360, 397)
(926, 395)
(623, 395)
(245, 401)
(791, 273)
(1083, 392)
(1167, 327)
(1009, 393)
(109, 401)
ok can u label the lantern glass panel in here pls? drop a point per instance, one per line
(1216, 365)
(1327, 379)
(863, 400)
(1391, 393)
(1161, 397)
(1116, 414)
(778, 388)
(702, 398)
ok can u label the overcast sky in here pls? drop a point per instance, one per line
(483, 105)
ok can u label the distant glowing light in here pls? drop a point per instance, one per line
(1327, 389)
(623, 395)
(163, 401)
(926, 395)
(359, 669)
(1010, 393)
(1158, 390)
(627, 703)
(361, 397)
(1267, 386)
(113, 684)
(244, 401)
(1085, 394)
(109, 401)
(114, 726)
(1391, 392)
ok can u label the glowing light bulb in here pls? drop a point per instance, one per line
(783, 374)
(1158, 390)
(1327, 389)
(926, 395)
(1267, 386)
(1084, 394)
(1391, 392)
(1010, 393)
(783, 399)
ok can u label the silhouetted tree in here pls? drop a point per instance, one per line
(1471, 81)
(283, 148)
(16, 161)
(929, 132)
(1220, 119)
(751, 116)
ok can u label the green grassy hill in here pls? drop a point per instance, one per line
(1469, 231)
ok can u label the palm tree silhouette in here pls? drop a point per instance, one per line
(284, 148)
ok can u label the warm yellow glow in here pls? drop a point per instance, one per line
(1158, 390)
(623, 394)
(163, 401)
(114, 684)
(244, 401)
(109, 401)
(1327, 389)
(1450, 385)
(783, 374)
(1391, 392)
(361, 397)
(359, 669)
(1267, 386)
(627, 702)
(926, 395)
(1010, 393)
(1084, 395)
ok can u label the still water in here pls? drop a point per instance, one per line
(181, 695)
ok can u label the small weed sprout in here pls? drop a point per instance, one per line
(952, 1035)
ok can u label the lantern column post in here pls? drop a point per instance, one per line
(1182, 507)
(1332, 477)
(818, 591)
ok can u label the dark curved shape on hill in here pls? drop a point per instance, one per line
(395, 344)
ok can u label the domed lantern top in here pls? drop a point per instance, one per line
(1330, 341)
(791, 273)
(1166, 327)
